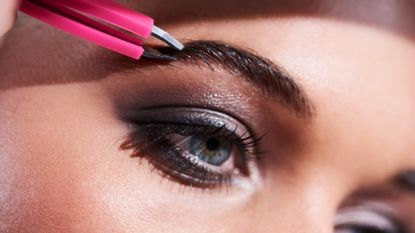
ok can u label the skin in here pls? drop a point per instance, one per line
(61, 169)
(7, 15)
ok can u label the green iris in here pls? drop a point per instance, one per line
(212, 150)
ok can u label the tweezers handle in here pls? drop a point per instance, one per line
(94, 21)
(110, 12)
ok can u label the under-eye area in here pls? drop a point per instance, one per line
(194, 146)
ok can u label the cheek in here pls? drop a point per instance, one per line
(61, 168)
(53, 154)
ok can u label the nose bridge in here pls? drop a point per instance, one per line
(312, 219)
(303, 217)
(305, 207)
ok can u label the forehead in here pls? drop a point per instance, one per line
(395, 15)
(272, 28)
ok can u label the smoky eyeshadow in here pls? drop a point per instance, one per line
(138, 102)
(186, 116)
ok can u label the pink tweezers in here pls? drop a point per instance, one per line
(103, 22)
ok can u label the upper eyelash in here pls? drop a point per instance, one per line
(220, 179)
(250, 141)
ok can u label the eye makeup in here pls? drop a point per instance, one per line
(366, 219)
(407, 180)
(384, 208)
(195, 147)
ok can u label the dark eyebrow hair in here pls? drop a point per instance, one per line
(271, 79)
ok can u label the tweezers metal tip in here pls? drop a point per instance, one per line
(166, 37)
(155, 54)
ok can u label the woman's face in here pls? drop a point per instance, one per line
(310, 130)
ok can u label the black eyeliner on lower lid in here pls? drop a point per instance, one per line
(152, 138)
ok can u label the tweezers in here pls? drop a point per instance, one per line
(103, 22)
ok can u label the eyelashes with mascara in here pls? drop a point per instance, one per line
(366, 219)
(193, 146)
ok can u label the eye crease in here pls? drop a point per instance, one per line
(272, 80)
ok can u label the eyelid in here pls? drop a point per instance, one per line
(192, 114)
(369, 215)
(362, 218)
(271, 79)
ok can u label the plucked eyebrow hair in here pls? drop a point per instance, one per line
(269, 78)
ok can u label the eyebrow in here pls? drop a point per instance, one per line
(269, 78)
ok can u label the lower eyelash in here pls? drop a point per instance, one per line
(164, 160)
(149, 142)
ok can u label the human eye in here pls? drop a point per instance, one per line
(195, 147)
(366, 220)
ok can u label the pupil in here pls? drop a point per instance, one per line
(212, 150)
(212, 144)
